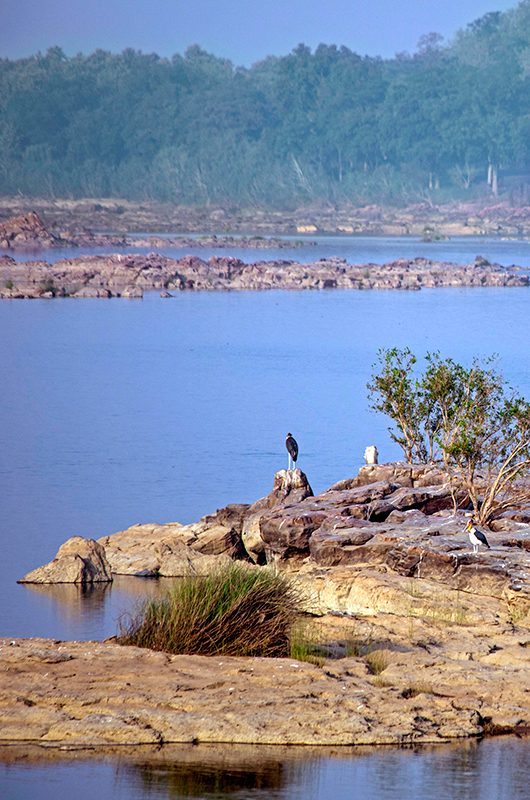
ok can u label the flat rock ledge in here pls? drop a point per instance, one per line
(99, 694)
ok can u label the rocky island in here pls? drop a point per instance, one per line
(420, 639)
(130, 275)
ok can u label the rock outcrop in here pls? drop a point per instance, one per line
(78, 560)
(26, 231)
(425, 220)
(131, 275)
(417, 639)
(389, 525)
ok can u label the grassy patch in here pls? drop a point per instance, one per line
(235, 611)
(377, 662)
(307, 645)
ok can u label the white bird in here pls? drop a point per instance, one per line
(476, 537)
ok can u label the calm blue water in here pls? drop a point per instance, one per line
(489, 770)
(115, 412)
(355, 249)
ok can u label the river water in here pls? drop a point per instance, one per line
(115, 412)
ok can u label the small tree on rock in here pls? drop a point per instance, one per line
(467, 418)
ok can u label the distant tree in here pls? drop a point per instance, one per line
(315, 125)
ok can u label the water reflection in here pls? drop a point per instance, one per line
(94, 611)
(492, 770)
(355, 249)
(73, 601)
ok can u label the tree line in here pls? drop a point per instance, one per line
(450, 121)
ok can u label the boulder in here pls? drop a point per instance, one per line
(290, 487)
(134, 550)
(330, 548)
(286, 532)
(176, 559)
(399, 473)
(26, 230)
(78, 560)
(220, 533)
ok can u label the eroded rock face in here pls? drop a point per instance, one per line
(168, 550)
(78, 560)
(290, 487)
(395, 525)
(26, 231)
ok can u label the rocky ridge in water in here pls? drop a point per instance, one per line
(421, 640)
(28, 232)
(130, 275)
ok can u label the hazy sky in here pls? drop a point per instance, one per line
(243, 30)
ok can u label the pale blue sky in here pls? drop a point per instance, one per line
(243, 30)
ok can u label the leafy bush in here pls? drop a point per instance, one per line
(237, 610)
(468, 418)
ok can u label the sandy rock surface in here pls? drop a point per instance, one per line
(438, 681)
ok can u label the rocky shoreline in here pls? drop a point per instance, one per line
(28, 232)
(421, 641)
(473, 218)
(130, 275)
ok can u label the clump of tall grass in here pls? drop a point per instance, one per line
(236, 610)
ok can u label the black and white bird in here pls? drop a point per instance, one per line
(292, 448)
(476, 537)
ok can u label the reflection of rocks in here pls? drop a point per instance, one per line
(130, 275)
(78, 560)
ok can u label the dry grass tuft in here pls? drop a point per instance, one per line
(234, 611)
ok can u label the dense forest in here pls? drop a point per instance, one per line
(450, 121)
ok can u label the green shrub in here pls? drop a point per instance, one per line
(236, 610)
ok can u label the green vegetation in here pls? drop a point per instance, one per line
(236, 611)
(451, 120)
(466, 418)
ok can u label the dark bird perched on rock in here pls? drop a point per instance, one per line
(292, 448)
(476, 537)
